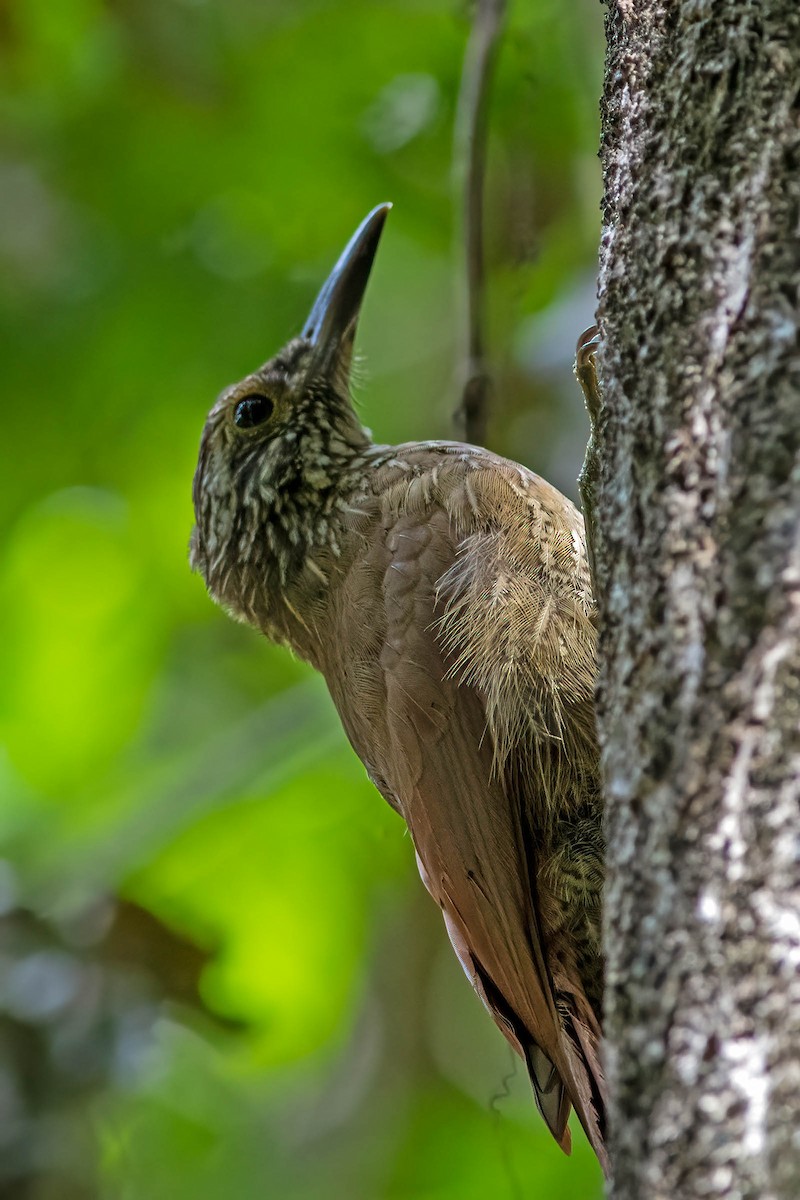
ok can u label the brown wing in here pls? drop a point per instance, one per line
(424, 738)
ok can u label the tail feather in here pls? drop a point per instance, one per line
(592, 1112)
(578, 1081)
(550, 1095)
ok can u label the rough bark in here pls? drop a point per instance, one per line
(698, 571)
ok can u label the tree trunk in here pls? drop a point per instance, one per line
(698, 572)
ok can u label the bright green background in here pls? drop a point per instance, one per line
(176, 177)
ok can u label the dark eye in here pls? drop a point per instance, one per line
(253, 410)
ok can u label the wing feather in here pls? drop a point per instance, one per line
(430, 749)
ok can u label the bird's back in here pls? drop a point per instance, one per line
(461, 657)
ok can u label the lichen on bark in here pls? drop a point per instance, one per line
(698, 575)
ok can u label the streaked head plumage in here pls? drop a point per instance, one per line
(276, 445)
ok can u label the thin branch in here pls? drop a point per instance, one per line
(470, 160)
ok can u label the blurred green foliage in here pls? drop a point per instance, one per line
(280, 1015)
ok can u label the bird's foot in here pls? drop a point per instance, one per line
(586, 370)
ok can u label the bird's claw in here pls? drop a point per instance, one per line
(586, 371)
(588, 342)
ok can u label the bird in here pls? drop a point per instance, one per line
(445, 595)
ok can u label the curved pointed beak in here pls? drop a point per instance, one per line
(331, 324)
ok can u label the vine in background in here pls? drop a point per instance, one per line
(470, 169)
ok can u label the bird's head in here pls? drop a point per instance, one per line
(277, 447)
